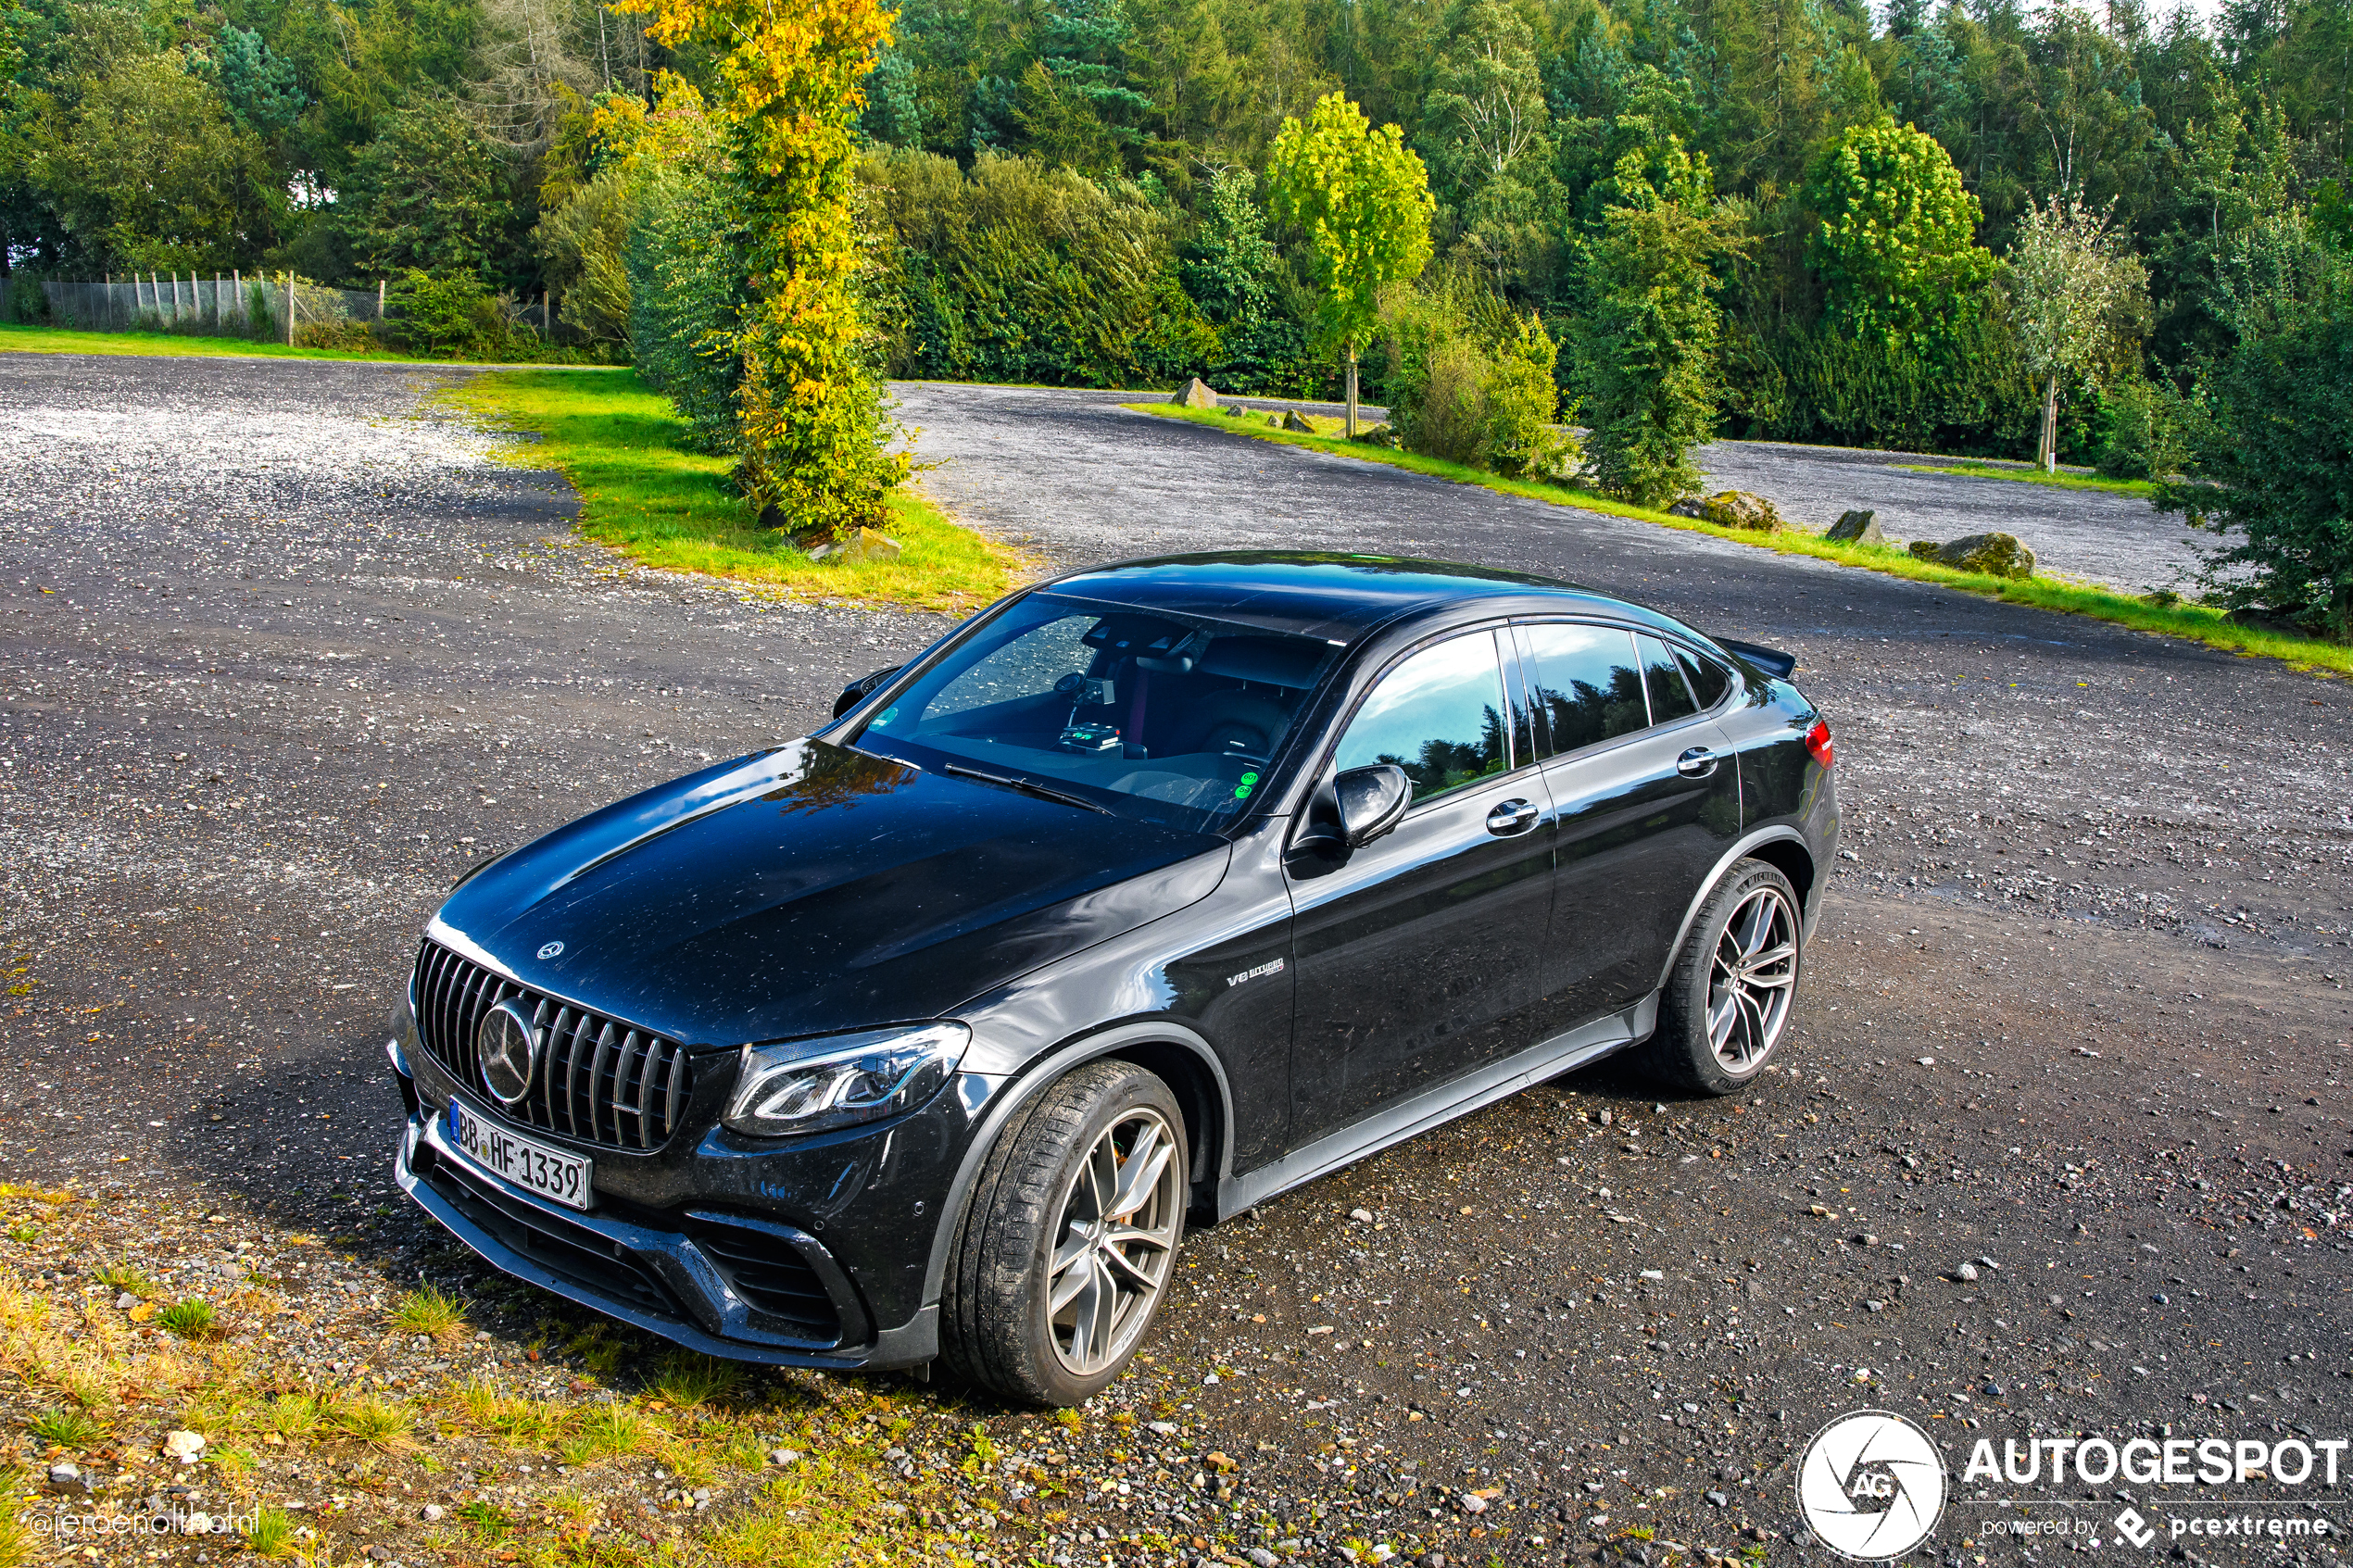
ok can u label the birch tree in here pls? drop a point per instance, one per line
(2080, 299)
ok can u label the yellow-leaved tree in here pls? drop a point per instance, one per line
(814, 437)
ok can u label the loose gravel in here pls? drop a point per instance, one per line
(283, 647)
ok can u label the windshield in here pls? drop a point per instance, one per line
(1175, 718)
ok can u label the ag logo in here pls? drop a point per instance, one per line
(1871, 1486)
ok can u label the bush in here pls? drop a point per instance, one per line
(2276, 466)
(687, 288)
(2144, 430)
(1016, 273)
(1969, 395)
(1469, 380)
(446, 313)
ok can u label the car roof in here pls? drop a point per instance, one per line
(1331, 595)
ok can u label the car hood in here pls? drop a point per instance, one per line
(813, 888)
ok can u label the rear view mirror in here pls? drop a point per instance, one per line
(1372, 801)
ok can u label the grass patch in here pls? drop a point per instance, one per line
(192, 1319)
(644, 492)
(169, 346)
(2195, 622)
(429, 1309)
(272, 1534)
(66, 1427)
(2144, 489)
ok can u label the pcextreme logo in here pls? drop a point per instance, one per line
(1871, 1485)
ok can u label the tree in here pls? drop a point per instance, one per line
(1649, 342)
(2080, 299)
(813, 432)
(1364, 199)
(1896, 248)
(259, 87)
(429, 192)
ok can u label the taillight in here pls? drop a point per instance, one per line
(1817, 743)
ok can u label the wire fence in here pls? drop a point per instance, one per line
(266, 309)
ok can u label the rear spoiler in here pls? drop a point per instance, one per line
(1773, 661)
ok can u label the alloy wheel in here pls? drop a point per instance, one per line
(1751, 980)
(1119, 1228)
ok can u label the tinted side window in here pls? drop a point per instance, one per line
(1671, 699)
(1708, 678)
(1439, 715)
(1588, 686)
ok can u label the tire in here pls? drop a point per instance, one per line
(1062, 1209)
(1728, 1000)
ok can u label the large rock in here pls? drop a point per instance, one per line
(1857, 528)
(1293, 420)
(1995, 555)
(1732, 509)
(866, 545)
(1378, 435)
(1195, 394)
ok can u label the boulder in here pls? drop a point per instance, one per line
(1294, 420)
(1995, 555)
(1238, 410)
(1733, 508)
(1857, 528)
(1378, 435)
(1195, 394)
(864, 543)
(1924, 549)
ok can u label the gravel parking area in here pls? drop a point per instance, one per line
(2092, 535)
(283, 648)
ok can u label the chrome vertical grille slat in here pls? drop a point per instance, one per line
(598, 1080)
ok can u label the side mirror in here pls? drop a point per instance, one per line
(1372, 801)
(1348, 813)
(862, 688)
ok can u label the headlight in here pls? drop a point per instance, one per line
(811, 1086)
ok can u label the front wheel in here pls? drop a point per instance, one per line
(1068, 1245)
(1728, 999)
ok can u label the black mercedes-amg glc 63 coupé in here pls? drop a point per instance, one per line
(1142, 896)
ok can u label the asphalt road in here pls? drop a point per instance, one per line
(283, 648)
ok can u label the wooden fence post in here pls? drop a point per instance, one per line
(290, 308)
(380, 300)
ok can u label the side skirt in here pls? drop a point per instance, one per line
(1459, 1096)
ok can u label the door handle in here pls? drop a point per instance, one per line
(1511, 817)
(1696, 763)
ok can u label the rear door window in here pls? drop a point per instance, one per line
(1589, 687)
(1670, 697)
(1709, 680)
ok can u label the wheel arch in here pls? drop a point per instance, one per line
(1781, 847)
(1180, 1058)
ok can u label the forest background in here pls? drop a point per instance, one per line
(1074, 192)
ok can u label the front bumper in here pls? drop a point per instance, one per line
(712, 1279)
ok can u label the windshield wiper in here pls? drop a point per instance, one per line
(1028, 786)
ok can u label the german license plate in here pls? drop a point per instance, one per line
(528, 1164)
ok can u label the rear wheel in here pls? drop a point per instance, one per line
(1728, 999)
(1067, 1250)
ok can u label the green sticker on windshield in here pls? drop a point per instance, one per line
(1242, 793)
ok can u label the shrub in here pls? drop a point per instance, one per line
(1016, 273)
(446, 313)
(2144, 430)
(687, 288)
(1470, 380)
(1967, 394)
(2275, 467)
(66, 1427)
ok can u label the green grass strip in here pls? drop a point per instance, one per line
(175, 346)
(645, 494)
(2195, 622)
(2144, 489)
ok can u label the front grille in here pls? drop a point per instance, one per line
(770, 1274)
(572, 1253)
(597, 1079)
